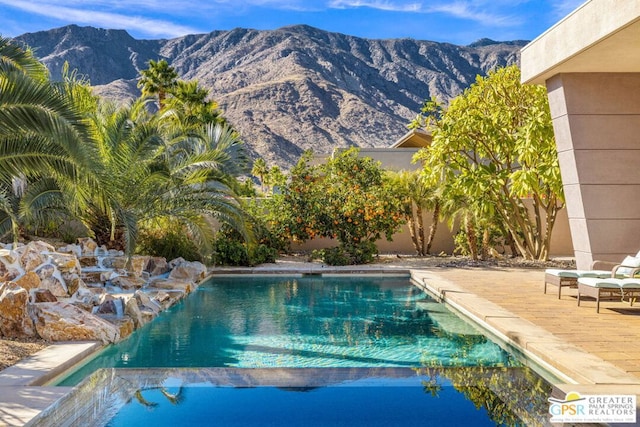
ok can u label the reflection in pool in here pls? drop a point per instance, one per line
(469, 396)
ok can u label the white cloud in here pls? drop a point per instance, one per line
(485, 12)
(473, 11)
(388, 6)
(562, 8)
(88, 15)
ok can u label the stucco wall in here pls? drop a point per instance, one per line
(596, 119)
(561, 244)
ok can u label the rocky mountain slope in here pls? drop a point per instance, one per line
(290, 89)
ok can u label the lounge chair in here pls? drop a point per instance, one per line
(610, 289)
(569, 278)
(629, 267)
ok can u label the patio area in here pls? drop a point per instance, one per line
(613, 335)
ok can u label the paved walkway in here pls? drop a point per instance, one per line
(595, 353)
(613, 334)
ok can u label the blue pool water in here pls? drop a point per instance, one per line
(354, 397)
(386, 402)
(275, 321)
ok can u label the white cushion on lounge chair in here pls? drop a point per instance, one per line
(628, 265)
(630, 283)
(578, 273)
(595, 282)
(610, 282)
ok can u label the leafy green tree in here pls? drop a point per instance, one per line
(43, 136)
(158, 80)
(417, 195)
(275, 178)
(495, 146)
(348, 199)
(359, 198)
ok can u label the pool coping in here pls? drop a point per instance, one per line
(23, 394)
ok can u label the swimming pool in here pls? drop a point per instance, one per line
(303, 322)
(274, 350)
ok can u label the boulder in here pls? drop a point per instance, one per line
(60, 321)
(9, 256)
(172, 284)
(107, 307)
(42, 295)
(115, 262)
(15, 321)
(10, 266)
(87, 245)
(34, 254)
(70, 249)
(176, 261)
(129, 282)
(65, 263)
(88, 261)
(51, 279)
(146, 303)
(73, 282)
(125, 325)
(138, 265)
(89, 296)
(30, 280)
(157, 266)
(97, 276)
(132, 310)
(167, 299)
(191, 271)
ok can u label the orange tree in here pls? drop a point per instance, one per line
(348, 199)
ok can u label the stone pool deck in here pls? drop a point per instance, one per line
(592, 353)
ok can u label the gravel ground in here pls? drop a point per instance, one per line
(12, 351)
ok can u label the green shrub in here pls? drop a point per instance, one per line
(170, 243)
(361, 253)
(227, 251)
(333, 256)
(230, 248)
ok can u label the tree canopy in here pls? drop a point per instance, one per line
(494, 148)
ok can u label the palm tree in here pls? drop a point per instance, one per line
(260, 171)
(42, 133)
(190, 106)
(17, 58)
(159, 79)
(153, 172)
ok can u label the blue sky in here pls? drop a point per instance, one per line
(455, 21)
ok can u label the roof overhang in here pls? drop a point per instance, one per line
(415, 138)
(601, 36)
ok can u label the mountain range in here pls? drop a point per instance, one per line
(290, 89)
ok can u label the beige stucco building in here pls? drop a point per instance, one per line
(590, 64)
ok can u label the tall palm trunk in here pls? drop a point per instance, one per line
(420, 221)
(412, 232)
